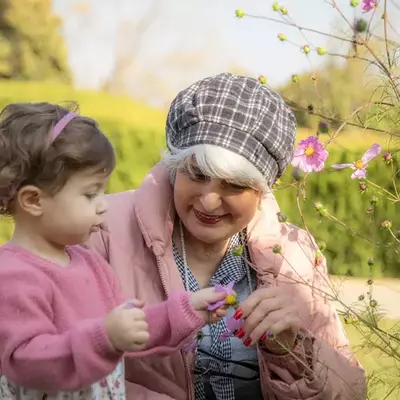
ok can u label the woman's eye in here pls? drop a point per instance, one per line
(90, 196)
(234, 186)
(198, 177)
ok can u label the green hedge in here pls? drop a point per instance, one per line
(347, 253)
(137, 133)
(348, 250)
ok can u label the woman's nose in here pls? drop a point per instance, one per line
(210, 199)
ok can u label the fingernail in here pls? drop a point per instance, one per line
(238, 314)
(130, 304)
(247, 342)
(263, 336)
(240, 333)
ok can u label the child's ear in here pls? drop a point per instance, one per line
(29, 199)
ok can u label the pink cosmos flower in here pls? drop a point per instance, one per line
(368, 5)
(360, 166)
(228, 289)
(232, 325)
(310, 155)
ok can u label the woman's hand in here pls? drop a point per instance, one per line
(270, 316)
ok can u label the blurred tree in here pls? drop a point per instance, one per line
(31, 45)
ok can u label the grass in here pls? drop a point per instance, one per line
(378, 366)
(97, 105)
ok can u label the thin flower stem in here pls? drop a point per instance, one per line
(391, 195)
(385, 23)
(393, 235)
(302, 28)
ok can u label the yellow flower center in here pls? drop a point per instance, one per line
(359, 164)
(309, 151)
(230, 300)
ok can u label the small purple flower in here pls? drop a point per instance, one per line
(220, 288)
(310, 155)
(232, 325)
(360, 166)
(368, 5)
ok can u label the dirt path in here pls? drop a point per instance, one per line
(385, 291)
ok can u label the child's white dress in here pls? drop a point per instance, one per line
(110, 388)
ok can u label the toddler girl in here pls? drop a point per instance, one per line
(64, 325)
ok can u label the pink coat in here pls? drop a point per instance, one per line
(137, 241)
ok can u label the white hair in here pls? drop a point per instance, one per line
(216, 162)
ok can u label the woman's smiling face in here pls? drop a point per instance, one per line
(212, 210)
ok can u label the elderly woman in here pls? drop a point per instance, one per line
(204, 216)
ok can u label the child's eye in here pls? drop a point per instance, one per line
(90, 196)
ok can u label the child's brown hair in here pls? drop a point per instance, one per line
(29, 157)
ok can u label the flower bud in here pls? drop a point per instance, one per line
(363, 186)
(322, 245)
(276, 6)
(318, 259)
(360, 25)
(306, 49)
(284, 10)
(387, 157)
(374, 200)
(297, 174)
(262, 79)
(318, 206)
(371, 261)
(239, 13)
(386, 224)
(295, 78)
(277, 183)
(281, 217)
(354, 3)
(321, 51)
(277, 249)
(237, 251)
(323, 127)
(373, 303)
(323, 212)
(281, 37)
(361, 297)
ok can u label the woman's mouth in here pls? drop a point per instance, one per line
(207, 218)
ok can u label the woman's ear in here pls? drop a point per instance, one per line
(29, 199)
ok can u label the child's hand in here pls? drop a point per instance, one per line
(202, 299)
(127, 328)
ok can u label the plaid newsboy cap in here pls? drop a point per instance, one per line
(239, 114)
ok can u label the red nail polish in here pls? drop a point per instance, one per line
(247, 342)
(238, 314)
(240, 333)
(263, 336)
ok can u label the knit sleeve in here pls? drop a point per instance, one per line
(33, 353)
(172, 325)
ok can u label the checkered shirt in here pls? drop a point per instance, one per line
(239, 114)
(232, 268)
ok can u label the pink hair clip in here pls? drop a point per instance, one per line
(61, 124)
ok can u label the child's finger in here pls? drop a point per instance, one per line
(141, 337)
(221, 312)
(133, 303)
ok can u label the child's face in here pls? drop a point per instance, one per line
(77, 210)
